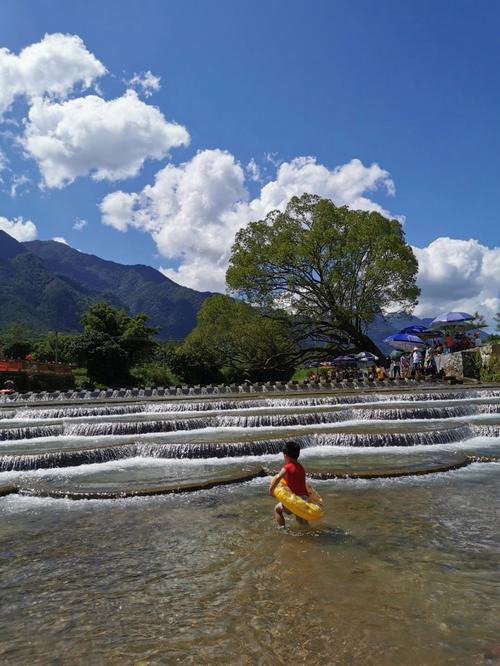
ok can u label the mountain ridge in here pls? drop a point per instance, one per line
(47, 285)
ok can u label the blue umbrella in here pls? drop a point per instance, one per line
(413, 330)
(404, 341)
(421, 331)
(452, 318)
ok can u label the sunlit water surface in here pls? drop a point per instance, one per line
(402, 571)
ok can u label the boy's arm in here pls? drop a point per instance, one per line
(275, 480)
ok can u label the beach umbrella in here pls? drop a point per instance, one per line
(345, 359)
(396, 355)
(366, 357)
(451, 318)
(404, 341)
(421, 331)
(416, 329)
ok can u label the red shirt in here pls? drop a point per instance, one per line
(295, 478)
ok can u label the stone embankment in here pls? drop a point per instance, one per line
(467, 364)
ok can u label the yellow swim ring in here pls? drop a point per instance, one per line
(307, 510)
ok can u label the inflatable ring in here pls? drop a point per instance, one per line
(307, 510)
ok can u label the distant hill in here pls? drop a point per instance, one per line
(47, 285)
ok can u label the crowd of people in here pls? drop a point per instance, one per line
(415, 364)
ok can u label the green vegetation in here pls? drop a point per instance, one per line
(492, 372)
(112, 343)
(47, 286)
(154, 374)
(234, 341)
(334, 268)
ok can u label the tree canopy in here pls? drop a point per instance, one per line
(112, 342)
(239, 341)
(333, 268)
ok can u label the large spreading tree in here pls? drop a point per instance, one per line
(333, 268)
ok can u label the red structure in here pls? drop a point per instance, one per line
(34, 366)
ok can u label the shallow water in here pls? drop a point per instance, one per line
(401, 572)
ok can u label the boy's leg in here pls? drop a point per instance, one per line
(278, 514)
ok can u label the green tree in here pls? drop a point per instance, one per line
(54, 346)
(15, 342)
(335, 269)
(111, 343)
(241, 341)
(194, 364)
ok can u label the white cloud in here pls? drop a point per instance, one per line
(52, 66)
(458, 275)
(109, 140)
(79, 224)
(193, 211)
(60, 239)
(253, 170)
(18, 182)
(146, 82)
(19, 229)
(4, 161)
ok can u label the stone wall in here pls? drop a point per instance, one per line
(467, 364)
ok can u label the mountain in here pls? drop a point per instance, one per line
(47, 285)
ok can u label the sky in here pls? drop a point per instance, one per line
(150, 132)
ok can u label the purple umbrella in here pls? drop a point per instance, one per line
(344, 359)
(404, 341)
(452, 318)
(366, 357)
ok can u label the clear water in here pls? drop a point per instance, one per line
(401, 571)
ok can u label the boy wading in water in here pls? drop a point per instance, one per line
(295, 478)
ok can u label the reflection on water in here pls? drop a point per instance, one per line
(400, 573)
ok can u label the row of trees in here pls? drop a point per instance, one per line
(231, 342)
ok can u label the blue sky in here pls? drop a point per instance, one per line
(395, 103)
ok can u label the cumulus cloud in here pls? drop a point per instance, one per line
(60, 239)
(146, 82)
(459, 275)
(109, 140)
(52, 66)
(19, 229)
(194, 210)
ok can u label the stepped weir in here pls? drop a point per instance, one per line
(52, 433)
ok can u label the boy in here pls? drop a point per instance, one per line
(295, 478)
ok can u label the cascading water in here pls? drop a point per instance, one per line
(81, 442)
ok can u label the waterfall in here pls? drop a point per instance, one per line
(31, 432)
(66, 458)
(418, 413)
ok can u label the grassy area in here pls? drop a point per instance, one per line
(303, 373)
(80, 375)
